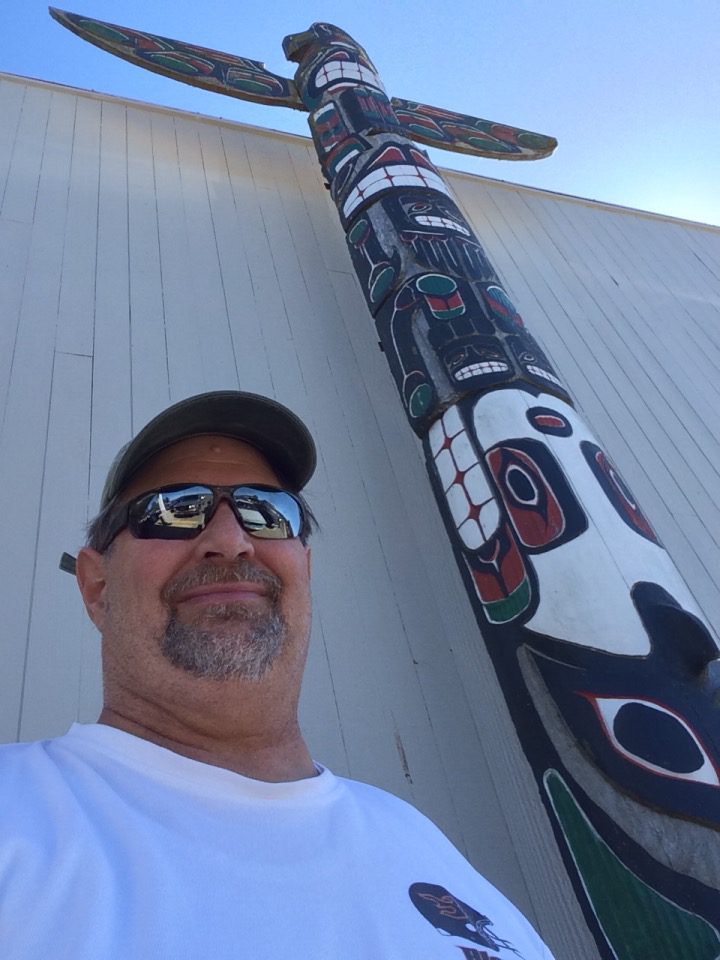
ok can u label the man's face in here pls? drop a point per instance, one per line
(222, 606)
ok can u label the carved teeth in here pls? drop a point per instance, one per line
(337, 71)
(445, 222)
(545, 374)
(486, 366)
(398, 175)
(472, 505)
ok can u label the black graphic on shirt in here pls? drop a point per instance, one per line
(454, 918)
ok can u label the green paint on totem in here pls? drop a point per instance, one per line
(103, 30)
(174, 63)
(250, 86)
(438, 285)
(638, 922)
(535, 140)
(381, 284)
(420, 400)
(500, 611)
(428, 132)
(491, 143)
(358, 231)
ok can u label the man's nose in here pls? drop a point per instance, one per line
(224, 537)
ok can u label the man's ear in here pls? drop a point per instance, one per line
(90, 573)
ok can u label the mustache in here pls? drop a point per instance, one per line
(212, 572)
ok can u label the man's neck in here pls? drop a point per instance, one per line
(277, 756)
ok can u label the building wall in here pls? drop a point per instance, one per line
(146, 255)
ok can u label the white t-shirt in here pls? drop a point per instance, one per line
(112, 848)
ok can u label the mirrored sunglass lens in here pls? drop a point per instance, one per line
(171, 512)
(270, 514)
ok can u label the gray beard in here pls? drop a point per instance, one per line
(231, 641)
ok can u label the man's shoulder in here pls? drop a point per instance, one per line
(378, 809)
(29, 785)
(23, 753)
(24, 758)
(377, 798)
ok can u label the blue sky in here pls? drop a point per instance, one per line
(630, 88)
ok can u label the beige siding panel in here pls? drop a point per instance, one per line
(321, 211)
(54, 659)
(204, 328)
(16, 561)
(14, 244)
(250, 283)
(26, 155)
(76, 307)
(12, 96)
(148, 328)
(183, 336)
(280, 288)
(111, 384)
(26, 402)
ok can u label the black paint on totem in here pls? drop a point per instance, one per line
(611, 678)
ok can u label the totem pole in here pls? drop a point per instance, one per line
(610, 674)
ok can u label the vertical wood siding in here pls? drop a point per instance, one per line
(146, 255)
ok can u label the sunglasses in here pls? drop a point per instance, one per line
(183, 510)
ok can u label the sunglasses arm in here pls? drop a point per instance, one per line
(67, 563)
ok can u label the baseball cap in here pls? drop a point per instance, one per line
(273, 429)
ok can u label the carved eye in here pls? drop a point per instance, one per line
(547, 420)
(534, 509)
(655, 738)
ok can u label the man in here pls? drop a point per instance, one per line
(191, 821)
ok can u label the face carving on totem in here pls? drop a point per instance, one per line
(650, 724)
(524, 448)
(434, 235)
(433, 214)
(394, 163)
(472, 357)
(438, 317)
(535, 366)
(611, 626)
(343, 68)
(333, 62)
(641, 724)
(458, 331)
(533, 361)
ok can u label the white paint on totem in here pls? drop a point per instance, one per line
(463, 454)
(395, 175)
(338, 70)
(584, 585)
